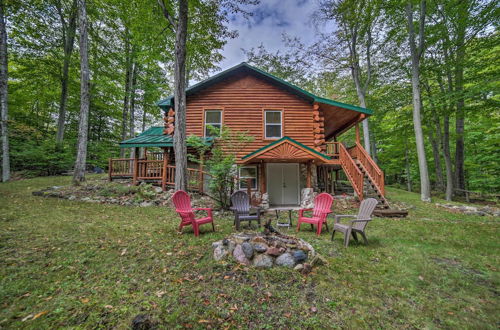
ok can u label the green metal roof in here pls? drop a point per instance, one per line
(287, 139)
(168, 102)
(152, 137)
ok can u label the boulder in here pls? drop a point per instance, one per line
(263, 261)
(286, 259)
(220, 253)
(239, 255)
(260, 247)
(298, 267)
(247, 250)
(299, 256)
(274, 251)
(318, 260)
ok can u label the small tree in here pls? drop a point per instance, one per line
(221, 165)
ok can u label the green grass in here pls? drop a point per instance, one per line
(86, 265)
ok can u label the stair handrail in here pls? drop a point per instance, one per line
(351, 169)
(374, 172)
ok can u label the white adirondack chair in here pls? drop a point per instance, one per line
(358, 225)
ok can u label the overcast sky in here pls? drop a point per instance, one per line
(271, 18)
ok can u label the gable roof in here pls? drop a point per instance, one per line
(153, 137)
(245, 67)
(295, 150)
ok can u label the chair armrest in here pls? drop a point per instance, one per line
(301, 211)
(361, 220)
(209, 210)
(339, 216)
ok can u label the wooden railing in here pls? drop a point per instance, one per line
(332, 149)
(121, 167)
(148, 169)
(373, 172)
(351, 170)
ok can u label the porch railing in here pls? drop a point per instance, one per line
(152, 169)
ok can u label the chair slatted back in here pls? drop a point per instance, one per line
(182, 203)
(241, 202)
(322, 205)
(366, 209)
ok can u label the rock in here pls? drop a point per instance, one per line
(85, 199)
(263, 261)
(259, 239)
(299, 256)
(143, 322)
(217, 244)
(286, 259)
(318, 260)
(307, 198)
(71, 198)
(299, 267)
(273, 251)
(247, 250)
(158, 190)
(146, 204)
(260, 247)
(220, 253)
(307, 268)
(239, 255)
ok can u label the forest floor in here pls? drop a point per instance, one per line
(87, 265)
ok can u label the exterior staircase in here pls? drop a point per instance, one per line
(366, 178)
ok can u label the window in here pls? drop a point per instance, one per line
(272, 124)
(246, 173)
(213, 122)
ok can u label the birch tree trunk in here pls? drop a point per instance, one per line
(69, 40)
(81, 156)
(416, 53)
(447, 158)
(128, 70)
(4, 110)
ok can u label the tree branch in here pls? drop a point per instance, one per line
(168, 16)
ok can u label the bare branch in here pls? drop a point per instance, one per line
(168, 16)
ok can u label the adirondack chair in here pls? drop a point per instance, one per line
(182, 203)
(322, 207)
(358, 225)
(241, 207)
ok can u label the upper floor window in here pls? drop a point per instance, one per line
(213, 122)
(273, 126)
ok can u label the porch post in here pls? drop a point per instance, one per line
(136, 166)
(309, 174)
(110, 169)
(262, 178)
(164, 173)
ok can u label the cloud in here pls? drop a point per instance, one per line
(271, 18)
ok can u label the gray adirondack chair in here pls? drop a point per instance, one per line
(241, 208)
(358, 225)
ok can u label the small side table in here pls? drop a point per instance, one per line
(284, 224)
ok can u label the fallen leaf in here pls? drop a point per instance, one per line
(85, 300)
(203, 321)
(108, 306)
(227, 277)
(124, 251)
(420, 277)
(160, 294)
(39, 314)
(314, 310)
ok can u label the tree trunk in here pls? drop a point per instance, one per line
(128, 70)
(459, 89)
(4, 110)
(180, 98)
(437, 160)
(133, 82)
(416, 53)
(81, 156)
(447, 158)
(69, 41)
(144, 115)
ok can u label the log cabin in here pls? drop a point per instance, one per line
(295, 148)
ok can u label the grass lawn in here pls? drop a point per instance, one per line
(83, 265)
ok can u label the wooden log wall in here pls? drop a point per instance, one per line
(319, 129)
(169, 119)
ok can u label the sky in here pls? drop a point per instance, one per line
(271, 18)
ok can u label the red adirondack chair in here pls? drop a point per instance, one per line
(322, 207)
(182, 203)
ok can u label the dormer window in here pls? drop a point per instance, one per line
(272, 124)
(213, 122)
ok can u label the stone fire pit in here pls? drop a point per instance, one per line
(263, 250)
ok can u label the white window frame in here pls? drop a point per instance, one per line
(205, 123)
(240, 178)
(273, 124)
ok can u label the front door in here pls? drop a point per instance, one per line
(283, 184)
